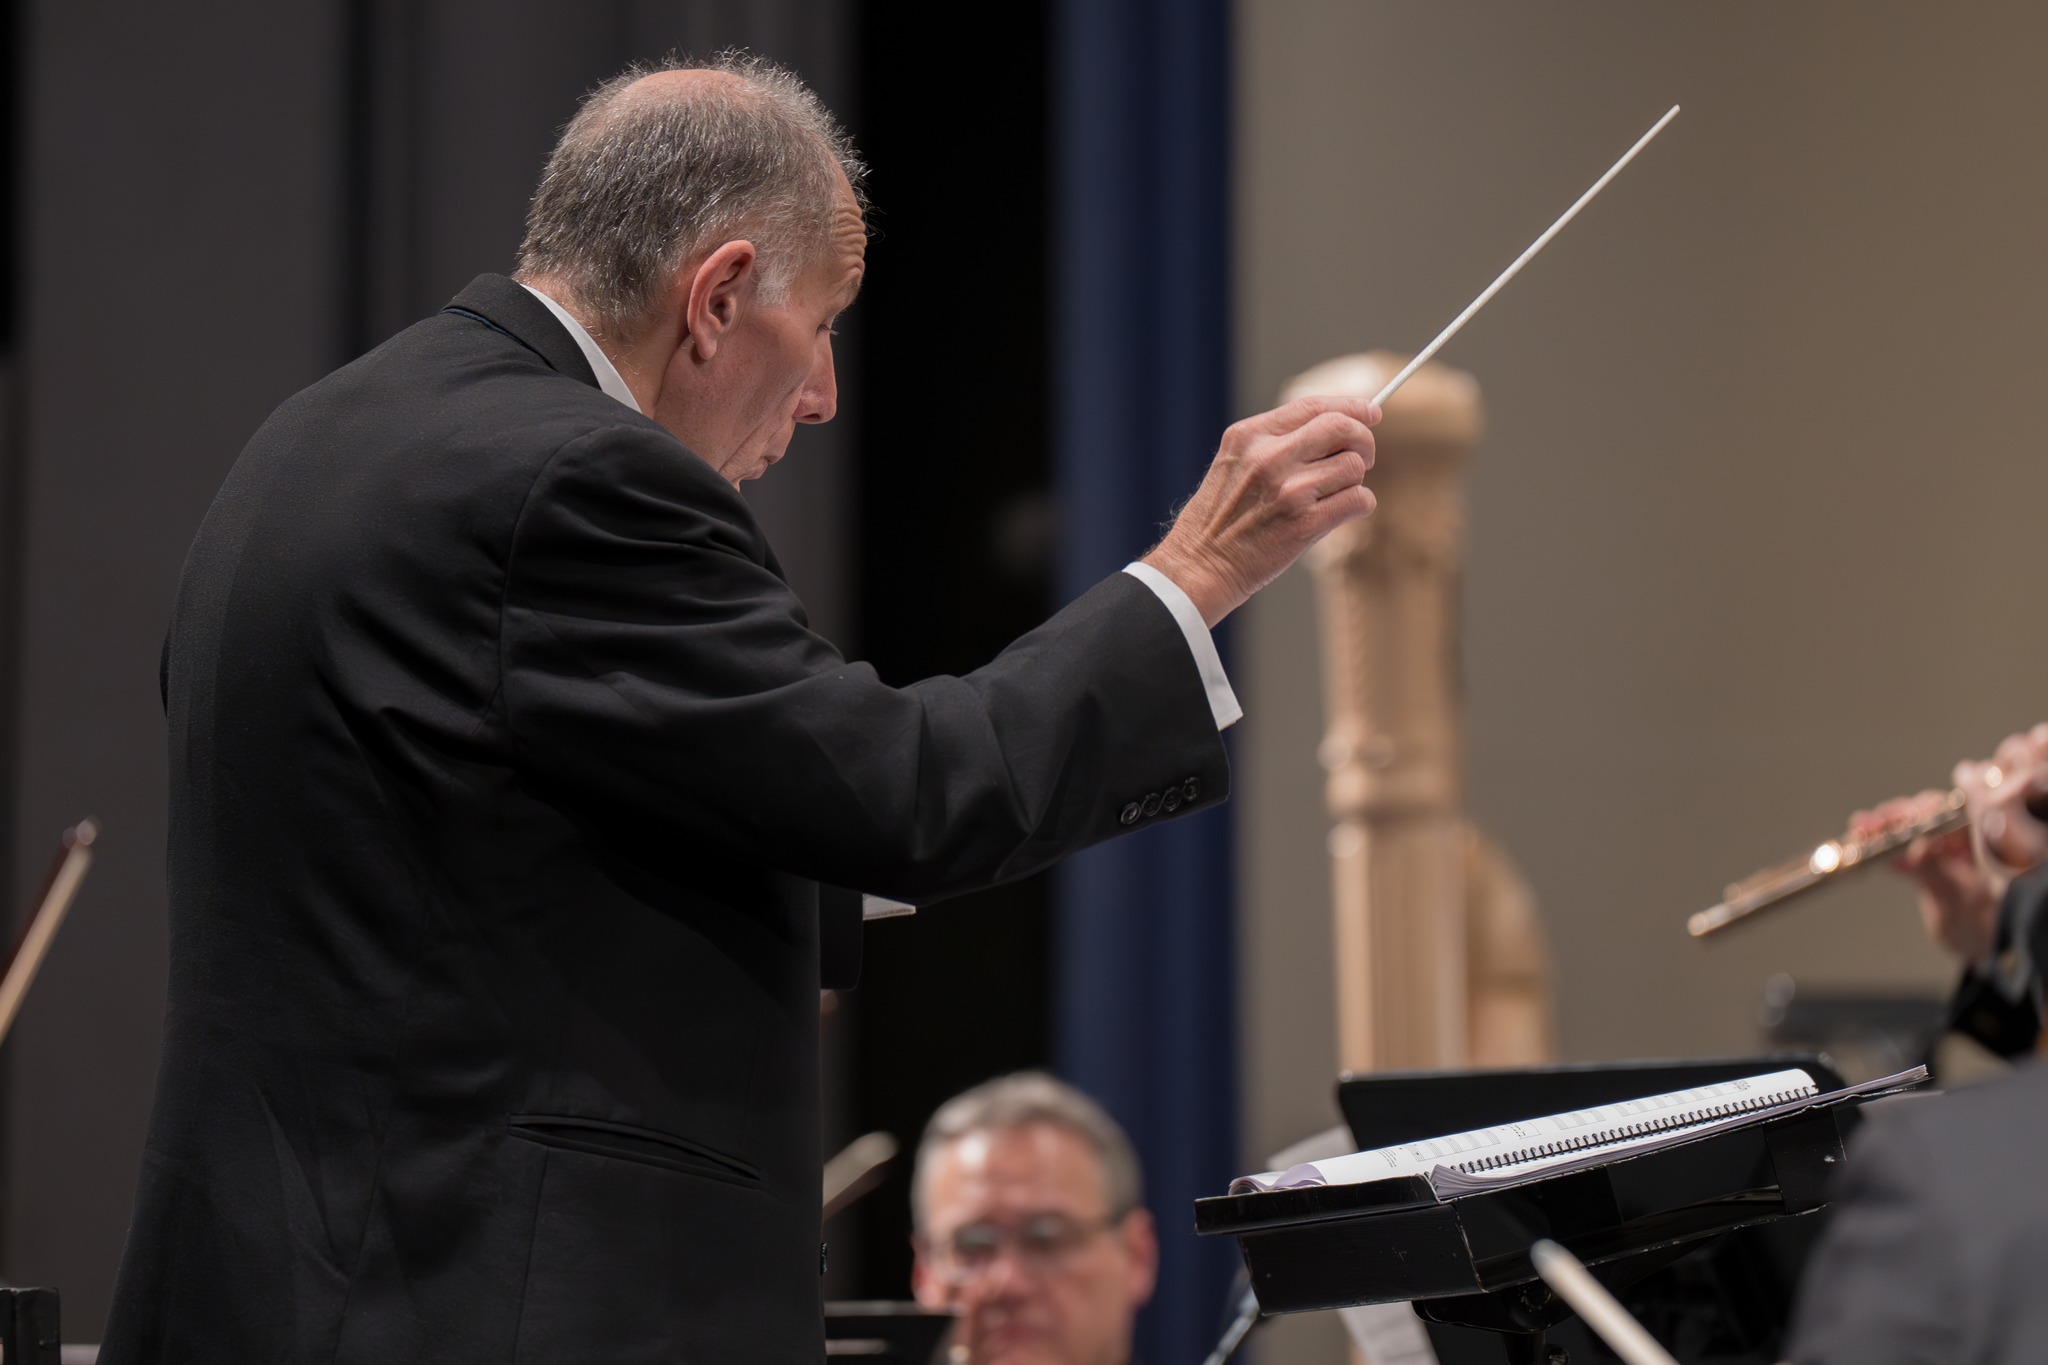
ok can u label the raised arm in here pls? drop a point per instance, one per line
(658, 672)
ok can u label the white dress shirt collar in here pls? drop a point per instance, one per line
(608, 377)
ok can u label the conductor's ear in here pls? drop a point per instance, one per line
(714, 295)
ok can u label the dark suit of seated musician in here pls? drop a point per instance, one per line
(1030, 1224)
(1939, 1246)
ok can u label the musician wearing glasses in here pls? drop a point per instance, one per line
(1029, 1223)
(1939, 1246)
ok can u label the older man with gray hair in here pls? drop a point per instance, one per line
(509, 785)
(1030, 1223)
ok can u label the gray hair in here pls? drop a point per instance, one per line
(1020, 1100)
(643, 180)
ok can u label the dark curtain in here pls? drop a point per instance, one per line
(1145, 1010)
(955, 549)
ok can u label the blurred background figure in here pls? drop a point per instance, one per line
(1980, 898)
(1939, 1243)
(1028, 1207)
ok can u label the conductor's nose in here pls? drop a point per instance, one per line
(819, 401)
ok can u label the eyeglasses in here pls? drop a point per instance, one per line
(1043, 1241)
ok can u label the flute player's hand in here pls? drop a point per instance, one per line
(2008, 839)
(1280, 482)
(1958, 904)
(1962, 875)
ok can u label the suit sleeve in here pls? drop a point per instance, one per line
(1999, 1002)
(1887, 1284)
(655, 667)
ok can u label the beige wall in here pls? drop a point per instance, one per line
(1754, 533)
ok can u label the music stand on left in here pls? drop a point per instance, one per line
(889, 1333)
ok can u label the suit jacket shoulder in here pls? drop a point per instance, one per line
(1939, 1239)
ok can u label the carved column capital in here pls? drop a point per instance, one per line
(1388, 589)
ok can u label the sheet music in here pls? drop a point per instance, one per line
(1452, 1182)
(1533, 1144)
(881, 907)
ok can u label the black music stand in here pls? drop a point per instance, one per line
(1465, 1261)
(884, 1332)
(29, 1322)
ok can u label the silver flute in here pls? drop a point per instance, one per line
(1837, 857)
(1831, 860)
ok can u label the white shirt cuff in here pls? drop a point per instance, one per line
(1222, 701)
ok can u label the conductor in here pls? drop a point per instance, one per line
(506, 774)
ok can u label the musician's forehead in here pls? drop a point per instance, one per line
(1036, 1165)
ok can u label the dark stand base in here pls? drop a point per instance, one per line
(29, 1332)
(1523, 1316)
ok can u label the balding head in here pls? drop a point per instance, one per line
(662, 165)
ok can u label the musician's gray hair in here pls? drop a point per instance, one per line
(644, 179)
(1020, 1100)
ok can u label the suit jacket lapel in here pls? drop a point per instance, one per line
(507, 306)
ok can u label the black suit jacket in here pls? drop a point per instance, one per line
(504, 770)
(1938, 1248)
